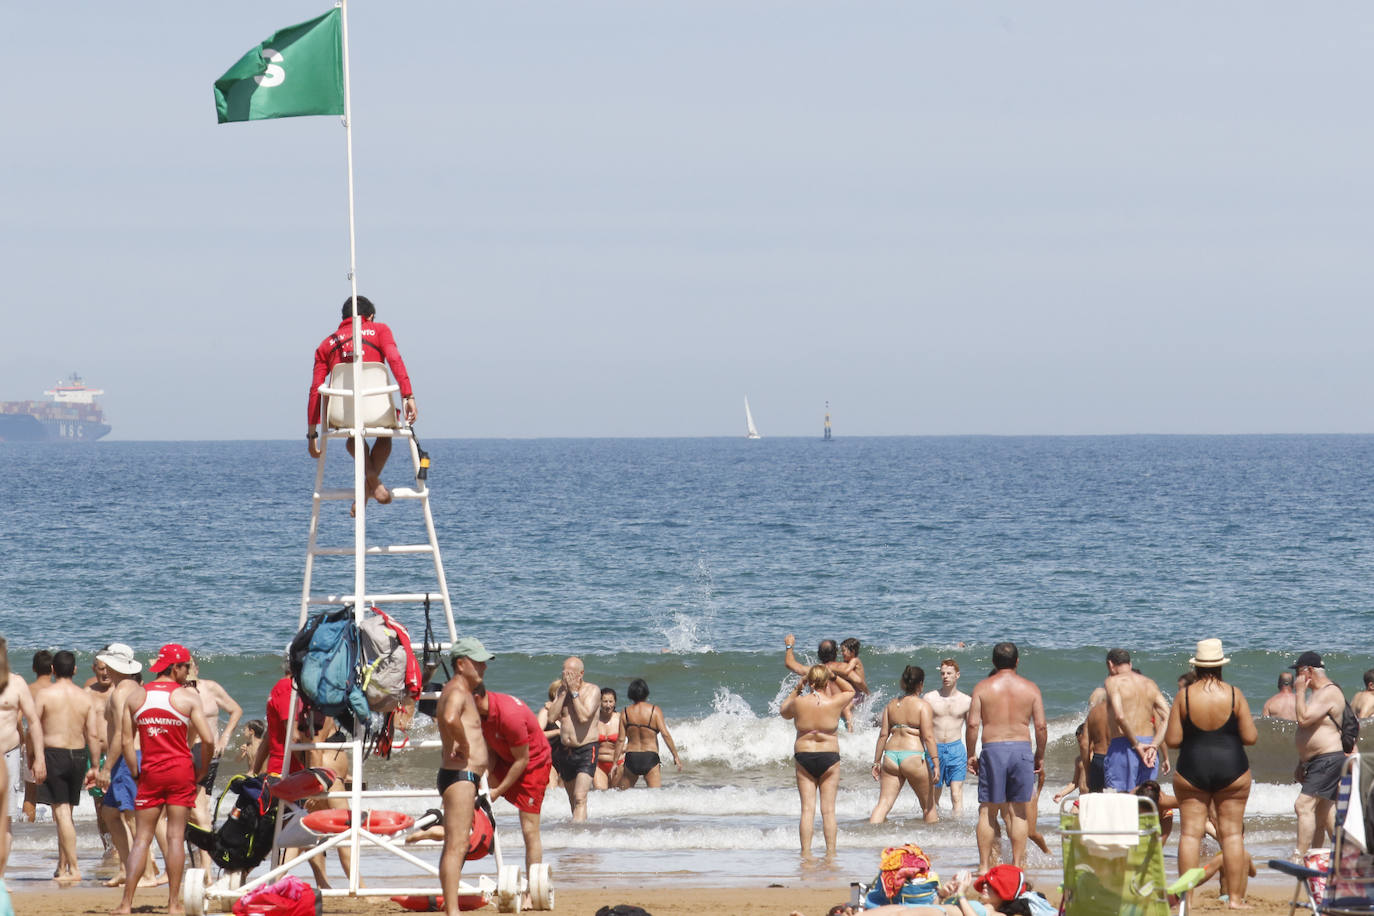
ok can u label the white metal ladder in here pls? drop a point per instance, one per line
(508, 887)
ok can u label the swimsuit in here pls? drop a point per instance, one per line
(122, 794)
(953, 762)
(898, 756)
(610, 738)
(66, 772)
(1321, 775)
(1006, 772)
(640, 763)
(1097, 773)
(447, 778)
(817, 763)
(1211, 758)
(569, 761)
(1124, 768)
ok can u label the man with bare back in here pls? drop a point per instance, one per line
(1282, 705)
(1005, 708)
(113, 777)
(949, 708)
(464, 759)
(35, 792)
(1137, 717)
(16, 702)
(214, 699)
(69, 730)
(1363, 702)
(1096, 734)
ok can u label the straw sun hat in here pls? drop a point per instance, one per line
(1209, 654)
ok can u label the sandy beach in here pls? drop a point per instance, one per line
(660, 899)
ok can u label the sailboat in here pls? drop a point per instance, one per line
(751, 431)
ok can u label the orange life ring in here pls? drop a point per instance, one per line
(337, 820)
(434, 904)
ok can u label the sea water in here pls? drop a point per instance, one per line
(686, 561)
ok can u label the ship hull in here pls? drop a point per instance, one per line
(23, 427)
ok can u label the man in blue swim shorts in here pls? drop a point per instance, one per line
(1005, 707)
(113, 776)
(949, 709)
(1137, 717)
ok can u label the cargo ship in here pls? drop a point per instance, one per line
(71, 416)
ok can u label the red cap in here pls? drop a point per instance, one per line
(1006, 881)
(169, 655)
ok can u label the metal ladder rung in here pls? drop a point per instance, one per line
(394, 598)
(396, 493)
(393, 550)
(371, 432)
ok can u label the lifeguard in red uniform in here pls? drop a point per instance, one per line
(378, 346)
(164, 713)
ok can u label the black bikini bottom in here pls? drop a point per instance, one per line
(641, 762)
(816, 762)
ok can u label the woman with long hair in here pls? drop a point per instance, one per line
(816, 711)
(1211, 726)
(906, 751)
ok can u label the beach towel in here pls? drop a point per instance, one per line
(1110, 822)
(288, 897)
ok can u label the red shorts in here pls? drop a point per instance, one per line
(171, 786)
(528, 792)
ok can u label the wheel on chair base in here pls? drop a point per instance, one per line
(508, 889)
(193, 892)
(541, 885)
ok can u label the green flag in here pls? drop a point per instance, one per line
(298, 71)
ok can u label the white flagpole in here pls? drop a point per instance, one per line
(359, 442)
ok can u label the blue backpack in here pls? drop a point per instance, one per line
(324, 665)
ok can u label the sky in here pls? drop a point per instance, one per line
(621, 218)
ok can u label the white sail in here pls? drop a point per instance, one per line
(751, 431)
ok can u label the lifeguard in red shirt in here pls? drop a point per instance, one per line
(164, 713)
(378, 346)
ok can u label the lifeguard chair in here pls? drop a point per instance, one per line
(360, 829)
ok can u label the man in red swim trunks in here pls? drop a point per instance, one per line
(163, 713)
(378, 345)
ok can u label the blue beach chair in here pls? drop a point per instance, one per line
(1342, 885)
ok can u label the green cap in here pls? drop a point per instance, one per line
(469, 647)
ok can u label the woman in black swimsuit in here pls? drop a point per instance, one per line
(1210, 724)
(641, 724)
(816, 715)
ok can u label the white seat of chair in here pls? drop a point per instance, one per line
(377, 409)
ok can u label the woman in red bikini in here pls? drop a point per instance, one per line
(607, 740)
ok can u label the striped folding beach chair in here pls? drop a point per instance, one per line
(1340, 881)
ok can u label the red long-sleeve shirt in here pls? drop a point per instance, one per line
(378, 346)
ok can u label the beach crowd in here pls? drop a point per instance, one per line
(145, 741)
